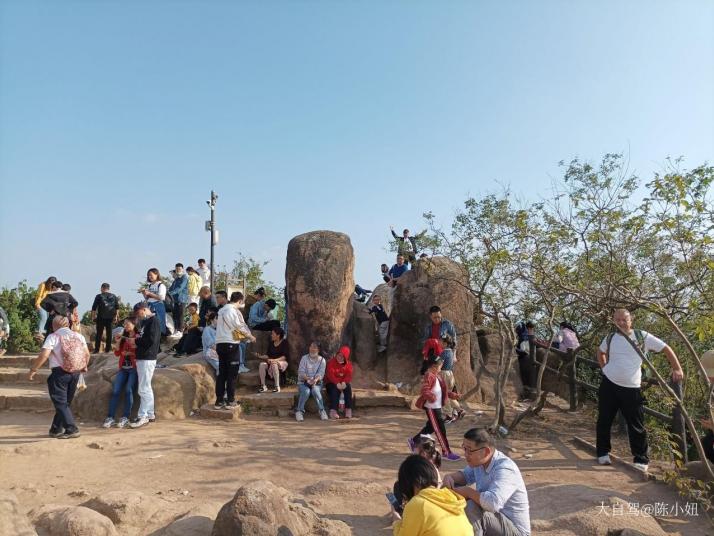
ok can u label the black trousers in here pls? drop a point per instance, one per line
(629, 401)
(333, 394)
(528, 372)
(190, 343)
(62, 386)
(267, 326)
(435, 425)
(103, 325)
(228, 362)
(177, 314)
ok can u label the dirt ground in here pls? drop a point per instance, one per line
(202, 461)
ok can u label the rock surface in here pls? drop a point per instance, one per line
(320, 285)
(261, 508)
(12, 520)
(58, 520)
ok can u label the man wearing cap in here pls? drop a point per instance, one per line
(620, 387)
(697, 469)
(147, 348)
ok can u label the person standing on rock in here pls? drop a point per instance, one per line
(126, 377)
(205, 272)
(493, 486)
(432, 398)
(105, 310)
(148, 344)
(179, 293)
(338, 381)
(4, 331)
(231, 330)
(42, 290)
(194, 284)
(155, 294)
(275, 360)
(444, 331)
(407, 245)
(398, 270)
(69, 356)
(382, 320)
(620, 387)
(311, 371)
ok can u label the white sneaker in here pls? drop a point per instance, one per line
(323, 415)
(243, 369)
(138, 423)
(642, 466)
(604, 460)
(299, 416)
(123, 423)
(108, 422)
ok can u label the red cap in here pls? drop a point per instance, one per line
(432, 344)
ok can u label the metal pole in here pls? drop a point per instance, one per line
(212, 205)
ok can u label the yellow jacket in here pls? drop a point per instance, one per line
(434, 512)
(42, 291)
(194, 284)
(192, 321)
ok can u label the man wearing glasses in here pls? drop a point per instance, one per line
(493, 486)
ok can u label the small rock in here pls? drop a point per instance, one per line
(528, 456)
(184, 492)
(79, 493)
(95, 445)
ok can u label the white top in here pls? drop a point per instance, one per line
(437, 393)
(157, 288)
(623, 365)
(53, 343)
(205, 274)
(229, 319)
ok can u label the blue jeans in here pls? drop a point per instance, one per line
(42, 321)
(242, 348)
(305, 392)
(126, 380)
(159, 309)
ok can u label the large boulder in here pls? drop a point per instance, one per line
(320, 285)
(198, 521)
(58, 520)
(12, 520)
(435, 281)
(261, 508)
(125, 508)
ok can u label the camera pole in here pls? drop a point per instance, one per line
(211, 226)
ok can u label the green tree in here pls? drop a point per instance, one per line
(19, 304)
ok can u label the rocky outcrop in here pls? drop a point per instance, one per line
(261, 508)
(320, 285)
(435, 281)
(12, 520)
(57, 520)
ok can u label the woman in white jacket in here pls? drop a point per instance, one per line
(230, 325)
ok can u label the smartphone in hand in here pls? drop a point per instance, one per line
(394, 502)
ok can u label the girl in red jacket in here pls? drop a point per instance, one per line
(338, 376)
(432, 399)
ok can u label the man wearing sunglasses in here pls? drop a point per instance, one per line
(493, 486)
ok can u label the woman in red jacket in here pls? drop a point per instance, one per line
(338, 377)
(432, 399)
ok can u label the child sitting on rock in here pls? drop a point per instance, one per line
(126, 377)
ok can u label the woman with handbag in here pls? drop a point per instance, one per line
(231, 330)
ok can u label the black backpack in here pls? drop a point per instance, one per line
(107, 306)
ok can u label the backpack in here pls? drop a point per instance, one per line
(169, 303)
(107, 305)
(74, 353)
(639, 336)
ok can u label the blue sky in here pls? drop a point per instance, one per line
(118, 118)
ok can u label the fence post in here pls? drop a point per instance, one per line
(571, 379)
(679, 428)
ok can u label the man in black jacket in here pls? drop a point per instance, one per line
(58, 302)
(104, 312)
(147, 348)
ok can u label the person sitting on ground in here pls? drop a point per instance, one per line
(380, 315)
(425, 446)
(58, 302)
(208, 339)
(429, 511)
(407, 245)
(206, 303)
(43, 289)
(338, 381)
(155, 294)
(275, 361)
(261, 315)
(361, 294)
(194, 284)
(257, 296)
(398, 270)
(105, 311)
(126, 378)
(310, 373)
(69, 356)
(431, 400)
(493, 485)
(4, 331)
(190, 341)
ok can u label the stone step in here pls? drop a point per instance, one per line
(19, 375)
(25, 398)
(22, 361)
(207, 411)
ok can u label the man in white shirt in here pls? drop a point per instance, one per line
(205, 272)
(620, 386)
(61, 384)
